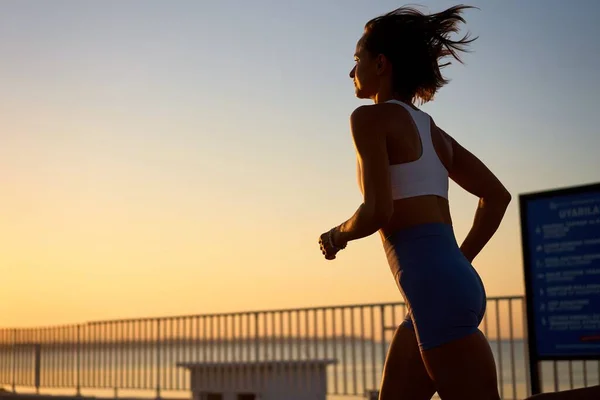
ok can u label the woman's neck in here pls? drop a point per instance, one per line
(386, 95)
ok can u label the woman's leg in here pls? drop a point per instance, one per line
(447, 301)
(463, 369)
(404, 374)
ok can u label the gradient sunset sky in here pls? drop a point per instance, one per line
(182, 157)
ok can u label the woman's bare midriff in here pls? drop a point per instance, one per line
(415, 211)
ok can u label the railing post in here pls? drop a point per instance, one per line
(158, 348)
(383, 341)
(526, 353)
(78, 361)
(14, 362)
(256, 341)
(37, 367)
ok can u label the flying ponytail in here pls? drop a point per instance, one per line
(414, 43)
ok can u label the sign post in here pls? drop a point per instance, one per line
(560, 232)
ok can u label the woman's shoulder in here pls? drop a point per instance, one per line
(380, 115)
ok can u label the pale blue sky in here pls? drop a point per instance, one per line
(223, 125)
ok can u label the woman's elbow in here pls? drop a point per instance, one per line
(499, 199)
(504, 197)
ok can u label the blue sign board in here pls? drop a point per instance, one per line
(561, 248)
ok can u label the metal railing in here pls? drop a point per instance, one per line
(143, 354)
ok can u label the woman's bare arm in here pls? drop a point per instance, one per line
(378, 206)
(474, 176)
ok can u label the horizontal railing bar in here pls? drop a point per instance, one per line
(263, 311)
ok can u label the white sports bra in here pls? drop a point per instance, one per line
(424, 176)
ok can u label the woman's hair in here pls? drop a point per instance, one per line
(414, 43)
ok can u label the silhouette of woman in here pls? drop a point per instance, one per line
(405, 162)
